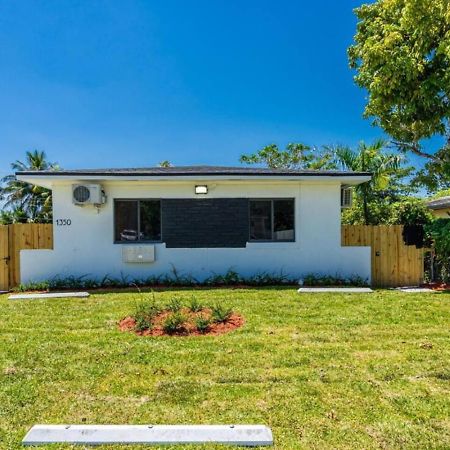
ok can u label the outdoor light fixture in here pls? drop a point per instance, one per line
(201, 189)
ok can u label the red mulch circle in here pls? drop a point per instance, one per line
(189, 329)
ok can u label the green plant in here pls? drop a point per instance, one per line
(312, 279)
(400, 54)
(148, 309)
(195, 305)
(230, 278)
(268, 279)
(410, 211)
(174, 323)
(439, 233)
(295, 156)
(382, 165)
(174, 304)
(145, 311)
(27, 201)
(220, 314)
(202, 323)
(33, 286)
(142, 322)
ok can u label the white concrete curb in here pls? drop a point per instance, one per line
(242, 435)
(335, 289)
(413, 289)
(49, 295)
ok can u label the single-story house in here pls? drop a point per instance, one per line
(200, 220)
(440, 207)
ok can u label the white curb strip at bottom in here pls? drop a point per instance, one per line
(356, 290)
(243, 435)
(49, 295)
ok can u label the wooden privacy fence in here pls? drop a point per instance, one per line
(14, 238)
(393, 262)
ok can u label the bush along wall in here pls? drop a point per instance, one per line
(175, 279)
(438, 234)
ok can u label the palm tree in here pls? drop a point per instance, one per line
(370, 158)
(34, 201)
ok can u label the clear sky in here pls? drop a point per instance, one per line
(131, 83)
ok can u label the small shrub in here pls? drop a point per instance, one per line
(220, 314)
(202, 324)
(142, 323)
(329, 280)
(33, 286)
(174, 304)
(195, 305)
(144, 312)
(439, 234)
(175, 278)
(267, 279)
(146, 309)
(174, 323)
(357, 281)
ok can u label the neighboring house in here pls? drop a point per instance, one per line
(199, 220)
(440, 207)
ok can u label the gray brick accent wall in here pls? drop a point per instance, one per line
(201, 223)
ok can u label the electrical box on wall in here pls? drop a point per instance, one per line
(138, 253)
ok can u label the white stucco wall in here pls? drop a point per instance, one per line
(86, 246)
(441, 213)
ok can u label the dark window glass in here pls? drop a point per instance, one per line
(261, 220)
(150, 218)
(272, 220)
(126, 219)
(137, 220)
(283, 220)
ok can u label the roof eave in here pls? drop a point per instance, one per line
(439, 207)
(49, 180)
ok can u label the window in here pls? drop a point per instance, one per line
(272, 220)
(137, 220)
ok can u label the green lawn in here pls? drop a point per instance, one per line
(324, 370)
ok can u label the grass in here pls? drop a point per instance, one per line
(324, 370)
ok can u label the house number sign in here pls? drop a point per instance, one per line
(63, 222)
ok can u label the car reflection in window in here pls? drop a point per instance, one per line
(130, 235)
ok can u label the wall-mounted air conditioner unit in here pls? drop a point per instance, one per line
(88, 194)
(346, 197)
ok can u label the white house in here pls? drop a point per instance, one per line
(200, 219)
(440, 207)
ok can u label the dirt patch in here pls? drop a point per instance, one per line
(188, 328)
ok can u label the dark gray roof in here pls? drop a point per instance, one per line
(439, 203)
(193, 171)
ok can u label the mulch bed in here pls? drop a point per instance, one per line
(437, 286)
(188, 329)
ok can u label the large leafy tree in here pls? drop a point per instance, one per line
(401, 52)
(435, 175)
(387, 173)
(23, 201)
(294, 156)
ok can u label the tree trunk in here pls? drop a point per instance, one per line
(366, 208)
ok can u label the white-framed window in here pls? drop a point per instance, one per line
(272, 220)
(137, 220)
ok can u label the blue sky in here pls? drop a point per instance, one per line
(131, 83)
